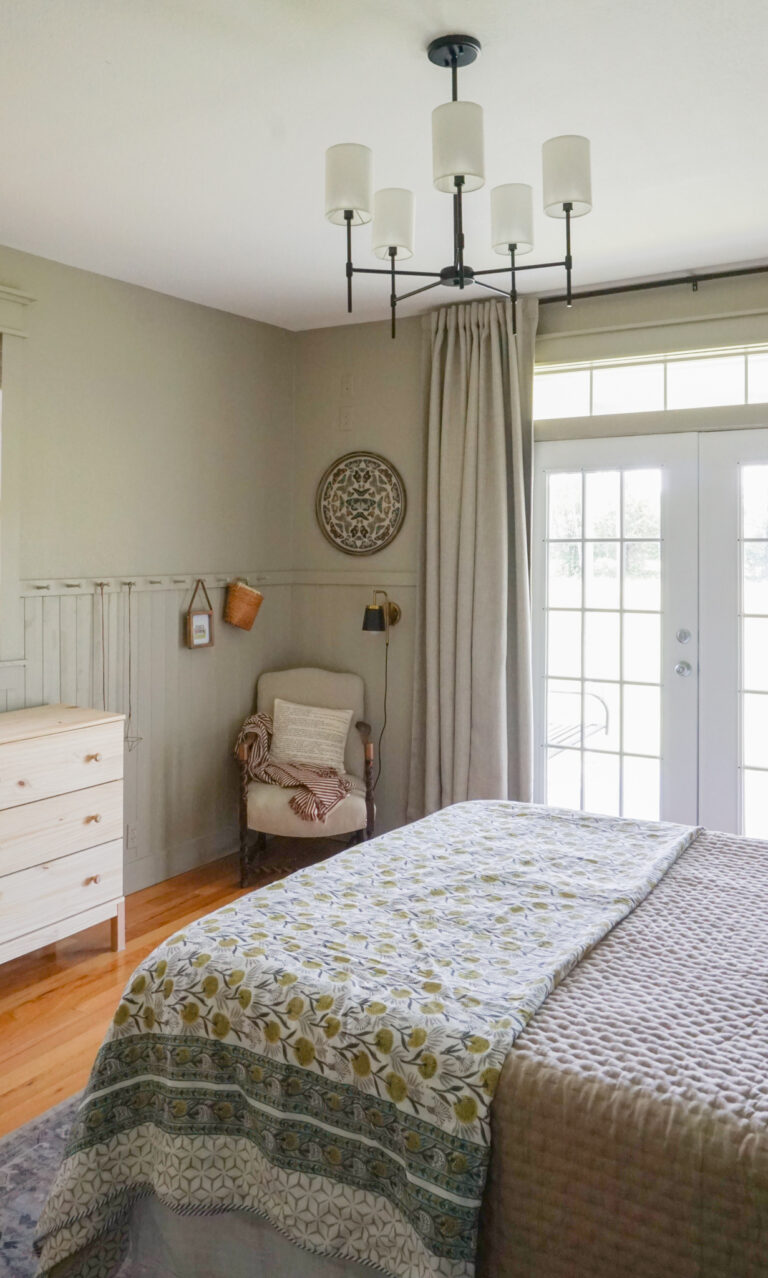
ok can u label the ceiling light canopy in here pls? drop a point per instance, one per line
(458, 168)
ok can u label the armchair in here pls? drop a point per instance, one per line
(265, 809)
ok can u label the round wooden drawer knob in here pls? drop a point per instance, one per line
(93, 758)
(93, 878)
(96, 817)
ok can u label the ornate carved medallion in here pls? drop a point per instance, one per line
(360, 503)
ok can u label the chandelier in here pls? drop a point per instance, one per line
(458, 169)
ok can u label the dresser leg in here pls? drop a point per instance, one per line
(117, 926)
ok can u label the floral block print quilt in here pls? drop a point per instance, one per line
(324, 1052)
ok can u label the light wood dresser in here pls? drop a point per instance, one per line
(61, 825)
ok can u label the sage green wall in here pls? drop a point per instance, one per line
(143, 435)
(356, 388)
(157, 433)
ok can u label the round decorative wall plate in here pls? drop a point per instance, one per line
(360, 503)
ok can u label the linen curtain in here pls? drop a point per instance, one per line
(472, 732)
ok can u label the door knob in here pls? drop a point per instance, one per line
(684, 669)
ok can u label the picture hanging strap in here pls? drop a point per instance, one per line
(200, 585)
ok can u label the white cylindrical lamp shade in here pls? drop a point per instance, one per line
(348, 183)
(393, 222)
(512, 217)
(457, 146)
(567, 175)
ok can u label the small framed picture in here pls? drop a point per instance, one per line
(200, 621)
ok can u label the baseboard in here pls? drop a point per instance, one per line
(169, 862)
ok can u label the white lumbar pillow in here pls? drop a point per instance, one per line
(309, 734)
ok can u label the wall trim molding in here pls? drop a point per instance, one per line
(13, 307)
(181, 583)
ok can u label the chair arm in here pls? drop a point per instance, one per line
(365, 734)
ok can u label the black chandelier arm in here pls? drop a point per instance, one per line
(424, 289)
(530, 266)
(502, 291)
(385, 270)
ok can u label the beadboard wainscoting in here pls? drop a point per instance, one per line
(186, 706)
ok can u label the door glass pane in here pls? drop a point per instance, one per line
(642, 719)
(755, 804)
(755, 656)
(601, 783)
(642, 575)
(565, 505)
(603, 499)
(564, 778)
(642, 647)
(602, 716)
(754, 497)
(601, 582)
(642, 503)
(641, 788)
(756, 730)
(564, 585)
(564, 712)
(604, 641)
(756, 577)
(601, 645)
(564, 649)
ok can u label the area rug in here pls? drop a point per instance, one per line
(29, 1160)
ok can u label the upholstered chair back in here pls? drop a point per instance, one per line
(308, 686)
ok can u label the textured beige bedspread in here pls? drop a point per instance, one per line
(630, 1126)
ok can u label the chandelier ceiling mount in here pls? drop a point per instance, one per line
(458, 169)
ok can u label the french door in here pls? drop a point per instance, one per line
(651, 627)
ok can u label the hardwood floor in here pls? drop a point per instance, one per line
(56, 1003)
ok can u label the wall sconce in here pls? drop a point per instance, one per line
(380, 616)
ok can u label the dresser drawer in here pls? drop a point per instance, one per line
(44, 766)
(55, 827)
(32, 898)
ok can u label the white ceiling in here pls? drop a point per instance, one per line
(179, 144)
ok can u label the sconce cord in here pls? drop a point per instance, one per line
(384, 724)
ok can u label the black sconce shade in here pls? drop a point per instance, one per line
(373, 617)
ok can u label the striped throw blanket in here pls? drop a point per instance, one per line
(318, 789)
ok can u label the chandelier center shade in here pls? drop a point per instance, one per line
(458, 169)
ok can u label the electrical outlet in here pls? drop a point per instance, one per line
(131, 838)
(347, 386)
(345, 421)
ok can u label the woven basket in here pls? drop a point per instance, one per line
(243, 602)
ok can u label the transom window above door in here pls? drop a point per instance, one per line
(652, 383)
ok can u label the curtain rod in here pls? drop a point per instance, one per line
(694, 279)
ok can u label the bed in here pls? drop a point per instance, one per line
(629, 1122)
